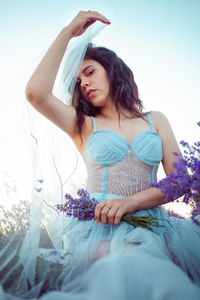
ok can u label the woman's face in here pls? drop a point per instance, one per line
(94, 83)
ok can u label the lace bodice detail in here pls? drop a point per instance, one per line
(120, 168)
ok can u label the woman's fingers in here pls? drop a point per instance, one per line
(88, 24)
(103, 215)
(97, 212)
(83, 20)
(111, 212)
(119, 214)
(98, 16)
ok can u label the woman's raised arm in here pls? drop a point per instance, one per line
(40, 85)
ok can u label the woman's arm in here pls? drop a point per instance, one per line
(148, 198)
(153, 197)
(39, 87)
(41, 82)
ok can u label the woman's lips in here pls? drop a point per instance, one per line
(91, 93)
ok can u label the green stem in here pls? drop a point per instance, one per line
(142, 221)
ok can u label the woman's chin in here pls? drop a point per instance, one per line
(97, 103)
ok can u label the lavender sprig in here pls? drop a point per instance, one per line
(83, 208)
(142, 221)
(185, 181)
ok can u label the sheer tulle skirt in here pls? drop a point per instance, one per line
(106, 261)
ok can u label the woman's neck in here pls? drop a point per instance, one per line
(113, 114)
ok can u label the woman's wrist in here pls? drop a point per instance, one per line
(68, 32)
(132, 205)
(146, 199)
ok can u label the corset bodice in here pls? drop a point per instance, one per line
(117, 167)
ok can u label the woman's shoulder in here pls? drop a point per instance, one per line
(159, 119)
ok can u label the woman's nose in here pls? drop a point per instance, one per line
(85, 83)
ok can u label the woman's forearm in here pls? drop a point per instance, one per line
(42, 81)
(147, 199)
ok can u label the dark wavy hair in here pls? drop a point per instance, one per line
(123, 88)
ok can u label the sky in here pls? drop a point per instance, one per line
(158, 39)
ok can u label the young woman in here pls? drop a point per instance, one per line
(105, 96)
(122, 147)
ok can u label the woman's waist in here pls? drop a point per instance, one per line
(121, 186)
(103, 190)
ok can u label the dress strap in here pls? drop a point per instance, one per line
(150, 122)
(94, 123)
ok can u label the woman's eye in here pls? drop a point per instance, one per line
(90, 72)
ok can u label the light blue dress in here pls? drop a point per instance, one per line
(110, 262)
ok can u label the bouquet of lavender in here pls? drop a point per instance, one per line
(185, 181)
(83, 208)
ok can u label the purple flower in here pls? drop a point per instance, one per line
(185, 181)
(83, 208)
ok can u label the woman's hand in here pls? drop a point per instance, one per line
(112, 210)
(83, 20)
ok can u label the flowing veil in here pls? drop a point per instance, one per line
(46, 255)
(47, 166)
